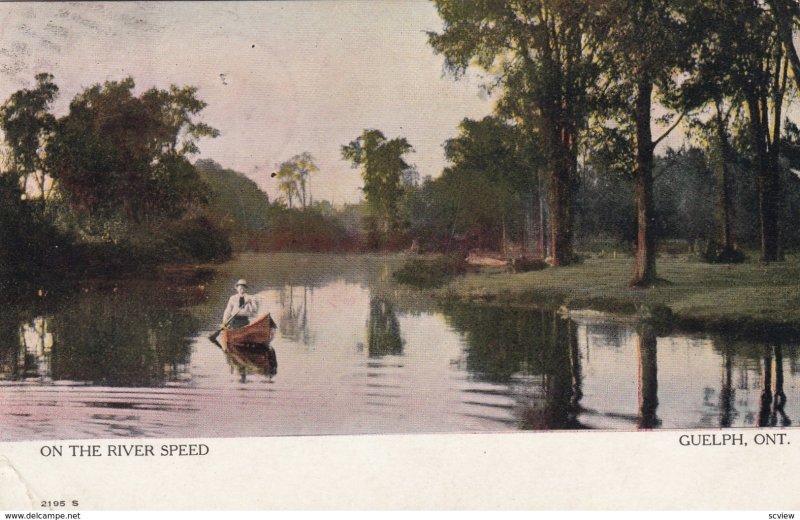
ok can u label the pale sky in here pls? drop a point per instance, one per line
(279, 78)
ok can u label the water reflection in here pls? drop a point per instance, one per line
(545, 362)
(727, 396)
(534, 352)
(359, 356)
(773, 402)
(294, 316)
(648, 376)
(383, 330)
(102, 339)
(260, 360)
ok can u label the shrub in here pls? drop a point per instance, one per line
(717, 254)
(427, 273)
(198, 240)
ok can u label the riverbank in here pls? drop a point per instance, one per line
(744, 299)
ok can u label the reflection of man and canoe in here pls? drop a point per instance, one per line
(245, 335)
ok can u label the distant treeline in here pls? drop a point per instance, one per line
(494, 195)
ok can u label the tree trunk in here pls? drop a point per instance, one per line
(559, 187)
(769, 202)
(540, 243)
(645, 261)
(560, 215)
(724, 186)
(768, 195)
(783, 20)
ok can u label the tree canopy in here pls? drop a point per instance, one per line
(116, 153)
(293, 178)
(382, 170)
(27, 124)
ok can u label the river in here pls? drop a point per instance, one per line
(358, 355)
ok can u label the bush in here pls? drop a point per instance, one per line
(33, 250)
(198, 240)
(428, 273)
(525, 264)
(298, 230)
(717, 254)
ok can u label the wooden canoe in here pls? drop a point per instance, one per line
(257, 333)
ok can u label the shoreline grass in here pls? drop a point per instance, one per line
(746, 298)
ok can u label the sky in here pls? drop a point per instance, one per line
(280, 78)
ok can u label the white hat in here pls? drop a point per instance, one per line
(241, 282)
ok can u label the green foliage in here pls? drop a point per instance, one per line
(198, 240)
(121, 184)
(429, 273)
(382, 169)
(235, 203)
(745, 65)
(298, 230)
(537, 56)
(33, 251)
(684, 189)
(117, 153)
(293, 178)
(27, 124)
(488, 185)
(604, 204)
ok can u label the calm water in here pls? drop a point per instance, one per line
(356, 355)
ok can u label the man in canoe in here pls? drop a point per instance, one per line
(241, 307)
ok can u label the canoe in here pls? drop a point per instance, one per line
(257, 333)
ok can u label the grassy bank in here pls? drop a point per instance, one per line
(745, 297)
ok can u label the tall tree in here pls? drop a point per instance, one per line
(764, 87)
(287, 182)
(785, 14)
(713, 133)
(293, 177)
(382, 169)
(641, 48)
(748, 54)
(488, 186)
(27, 123)
(118, 154)
(537, 54)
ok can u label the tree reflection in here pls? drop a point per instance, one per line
(727, 397)
(294, 317)
(117, 339)
(648, 376)
(772, 402)
(535, 353)
(383, 330)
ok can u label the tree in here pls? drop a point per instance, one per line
(641, 47)
(33, 249)
(293, 177)
(747, 54)
(485, 193)
(785, 14)
(287, 182)
(382, 169)
(120, 155)
(538, 55)
(27, 124)
(737, 75)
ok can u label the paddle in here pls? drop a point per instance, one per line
(213, 336)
